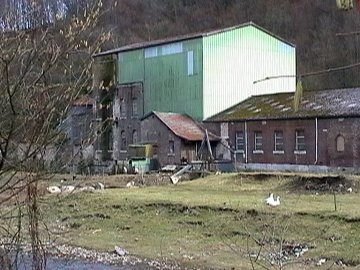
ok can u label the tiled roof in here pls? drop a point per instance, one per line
(182, 126)
(186, 37)
(325, 103)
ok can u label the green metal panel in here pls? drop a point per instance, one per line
(130, 66)
(234, 59)
(167, 85)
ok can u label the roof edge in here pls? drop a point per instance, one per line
(156, 42)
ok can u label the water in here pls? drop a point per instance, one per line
(65, 264)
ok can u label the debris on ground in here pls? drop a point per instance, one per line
(121, 251)
(321, 262)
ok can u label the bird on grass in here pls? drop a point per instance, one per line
(271, 201)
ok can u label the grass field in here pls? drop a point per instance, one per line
(216, 222)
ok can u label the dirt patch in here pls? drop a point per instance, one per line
(327, 183)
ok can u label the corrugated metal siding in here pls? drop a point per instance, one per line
(131, 66)
(167, 85)
(233, 60)
(164, 73)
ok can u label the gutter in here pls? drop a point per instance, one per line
(246, 143)
(316, 141)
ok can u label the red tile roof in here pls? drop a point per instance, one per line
(183, 126)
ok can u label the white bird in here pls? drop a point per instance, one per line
(275, 202)
(270, 199)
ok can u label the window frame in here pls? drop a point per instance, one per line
(239, 142)
(134, 138)
(134, 107)
(123, 108)
(342, 149)
(258, 143)
(110, 138)
(279, 147)
(171, 148)
(190, 63)
(123, 141)
(300, 147)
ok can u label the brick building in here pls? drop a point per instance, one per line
(324, 131)
(177, 137)
(197, 74)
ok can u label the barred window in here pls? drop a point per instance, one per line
(300, 140)
(239, 141)
(258, 142)
(279, 141)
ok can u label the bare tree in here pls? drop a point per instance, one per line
(44, 68)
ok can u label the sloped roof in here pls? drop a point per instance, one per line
(84, 101)
(325, 103)
(187, 37)
(182, 126)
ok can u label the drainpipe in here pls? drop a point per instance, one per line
(246, 143)
(316, 141)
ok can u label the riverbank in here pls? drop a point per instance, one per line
(80, 256)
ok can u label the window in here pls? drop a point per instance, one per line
(167, 49)
(239, 141)
(134, 107)
(151, 52)
(171, 147)
(172, 48)
(190, 63)
(258, 142)
(123, 141)
(134, 137)
(279, 142)
(300, 140)
(122, 108)
(340, 143)
(110, 140)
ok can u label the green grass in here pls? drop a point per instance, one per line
(210, 222)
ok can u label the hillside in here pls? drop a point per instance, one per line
(311, 25)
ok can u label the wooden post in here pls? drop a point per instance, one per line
(335, 201)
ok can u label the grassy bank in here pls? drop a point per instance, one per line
(215, 222)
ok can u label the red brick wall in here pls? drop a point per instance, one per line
(328, 130)
(154, 131)
(268, 128)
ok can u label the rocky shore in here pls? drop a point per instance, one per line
(109, 258)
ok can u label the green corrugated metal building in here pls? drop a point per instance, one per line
(205, 73)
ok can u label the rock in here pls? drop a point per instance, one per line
(350, 190)
(99, 186)
(67, 189)
(321, 261)
(130, 184)
(53, 190)
(87, 189)
(121, 251)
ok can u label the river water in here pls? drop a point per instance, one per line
(65, 264)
